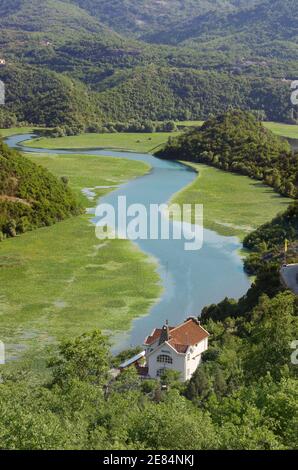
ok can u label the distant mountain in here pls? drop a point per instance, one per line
(46, 45)
(254, 26)
(47, 16)
(138, 17)
(75, 62)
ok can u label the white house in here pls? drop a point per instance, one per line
(177, 348)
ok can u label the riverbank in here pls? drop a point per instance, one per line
(19, 130)
(233, 204)
(138, 142)
(61, 281)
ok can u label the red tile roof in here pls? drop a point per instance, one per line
(155, 336)
(187, 334)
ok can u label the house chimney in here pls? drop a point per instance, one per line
(165, 333)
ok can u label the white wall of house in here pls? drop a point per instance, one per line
(186, 364)
(194, 357)
(154, 365)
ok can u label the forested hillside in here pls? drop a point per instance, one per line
(58, 17)
(30, 196)
(160, 93)
(135, 17)
(36, 95)
(235, 141)
(251, 24)
(106, 58)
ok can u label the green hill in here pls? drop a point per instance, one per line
(136, 17)
(255, 23)
(160, 93)
(141, 59)
(235, 141)
(39, 96)
(30, 196)
(58, 17)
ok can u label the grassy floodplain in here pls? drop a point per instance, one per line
(17, 130)
(233, 204)
(190, 123)
(284, 130)
(138, 142)
(61, 280)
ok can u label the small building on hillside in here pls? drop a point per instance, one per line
(177, 348)
(2, 62)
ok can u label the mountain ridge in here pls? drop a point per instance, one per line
(74, 40)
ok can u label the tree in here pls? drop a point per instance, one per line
(219, 382)
(127, 381)
(170, 126)
(86, 358)
(174, 423)
(199, 385)
(276, 326)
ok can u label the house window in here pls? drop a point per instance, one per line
(164, 359)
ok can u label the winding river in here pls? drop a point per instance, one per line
(191, 279)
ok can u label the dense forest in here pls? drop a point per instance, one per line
(136, 17)
(249, 26)
(30, 196)
(108, 59)
(235, 141)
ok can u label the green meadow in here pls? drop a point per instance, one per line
(189, 123)
(233, 204)
(138, 142)
(61, 281)
(135, 142)
(284, 130)
(17, 130)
